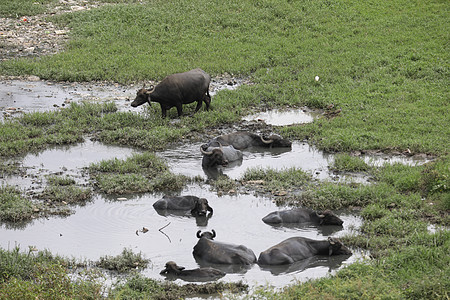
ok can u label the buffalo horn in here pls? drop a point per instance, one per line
(332, 242)
(213, 232)
(266, 141)
(205, 152)
(198, 234)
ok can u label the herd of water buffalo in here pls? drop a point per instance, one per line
(208, 251)
(183, 88)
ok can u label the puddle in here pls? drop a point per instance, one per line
(67, 160)
(186, 160)
(18, 96)
(105, 227)
(282, 118)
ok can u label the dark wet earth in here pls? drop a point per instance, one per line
(107, 225)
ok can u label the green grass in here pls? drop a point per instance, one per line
(124, 262)
(347, 163)
(63, 190)
(19, 8)
(140, 173)
(41, 275)
(14, 206)
(384, 64)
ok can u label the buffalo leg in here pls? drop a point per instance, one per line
(207, 100)
(199, 104)
(163, 111)
(179, 109)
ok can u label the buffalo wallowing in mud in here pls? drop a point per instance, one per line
(242, 140)
(303, 215)
(197, 206)
(298, 248)
(199, 274)
(214, 252)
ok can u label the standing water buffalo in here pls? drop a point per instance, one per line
(176, 90)
(303, 215)
(198, 206)
(214, 252)
(242, 140)
(298, 248)
(199, 274)
(219, 156)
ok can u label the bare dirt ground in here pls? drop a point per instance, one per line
(31, 36)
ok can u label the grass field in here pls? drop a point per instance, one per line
(383, 65)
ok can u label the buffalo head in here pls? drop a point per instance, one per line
(171, 268)
(201, 207)
(213, 157)
(207, 235)
(142, 96)
(329, 218)
(274, 140)
(337, 248)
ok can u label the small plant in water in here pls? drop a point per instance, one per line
(124, 262)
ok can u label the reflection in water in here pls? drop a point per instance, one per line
(325, 230)
(200, 220)
(109, 224)
(278, 117)
(229, 269)
(328, 262)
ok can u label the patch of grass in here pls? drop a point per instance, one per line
(347, 163)
(19, 8)
(37, 130)
(63, 190)
(139, 173)
(124, 262)
(41, 275)
(418, 271)
(275, 181)
(13, 206)
(139, 287)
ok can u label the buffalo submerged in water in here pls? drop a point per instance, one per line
(172, 270)
(242, 140)
(197, 206)
(210, 251)
(298, 248)
(303, 215)
(214, 156)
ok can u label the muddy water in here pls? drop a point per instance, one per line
(105, 226)
(186, 159)
(18, 96)
(282, 117)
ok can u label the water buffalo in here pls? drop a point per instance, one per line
(219, 156)
(199, 274)
(298, 248)
(214, 252)
(176, 90)
(198, 206)
(303, 215)
(242, 140)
